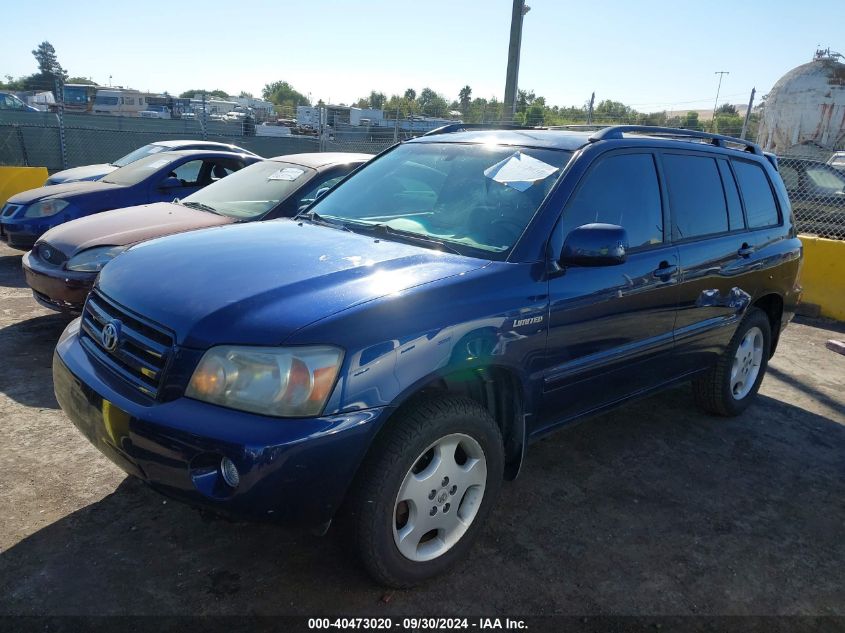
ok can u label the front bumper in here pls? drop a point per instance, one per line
(297, 470)
(55, 288)
(20, 235)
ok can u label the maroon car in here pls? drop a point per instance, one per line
(63, 264)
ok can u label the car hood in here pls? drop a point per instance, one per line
(257, 283)
(64, 191)
(128, 226)
(86, 172)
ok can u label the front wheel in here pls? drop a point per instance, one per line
(426, 490)
(731, 385)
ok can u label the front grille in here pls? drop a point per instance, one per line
(142, 350)
(50, 254)
(10, 209)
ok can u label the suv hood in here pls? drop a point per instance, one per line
(86, 172)
(128, 226)
(257, 283)
(67, 190)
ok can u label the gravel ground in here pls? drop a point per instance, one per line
(654, 508)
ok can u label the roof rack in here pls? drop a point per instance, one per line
(617, 131)
(461, 127)
(579, 127)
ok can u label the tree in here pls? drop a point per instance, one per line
(218, 94)
(727, 108)
(465, 98)
(284, 95)
(245, 95)
(608, 111)
(48, 62)
(691, 122)
(49, 70)
(377, 100)
(81, 80)
(431, 103)
(410, 94)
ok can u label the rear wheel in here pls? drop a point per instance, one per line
(427, 488)
(731, 385)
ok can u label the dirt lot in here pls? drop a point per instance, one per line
(652, 509)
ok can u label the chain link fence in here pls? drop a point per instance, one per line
(814, 177)
(815, 182)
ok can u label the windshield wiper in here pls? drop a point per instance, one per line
(316, 218)
(199, 205)
(385, 229)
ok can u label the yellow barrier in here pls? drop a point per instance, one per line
(823, 275)
(16, 179)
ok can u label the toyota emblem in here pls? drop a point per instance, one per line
(110, 336)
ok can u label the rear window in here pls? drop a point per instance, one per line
(760, 207)
(696, 196)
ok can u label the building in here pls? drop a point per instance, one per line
(805, 110)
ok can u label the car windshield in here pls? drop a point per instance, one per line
(139, 153)
(475, 198)
(139, 170)
(254, 190)
(826, 179)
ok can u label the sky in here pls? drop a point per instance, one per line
(650, 55)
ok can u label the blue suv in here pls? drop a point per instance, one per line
(387, 357)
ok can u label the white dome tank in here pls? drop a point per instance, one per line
(806, 108)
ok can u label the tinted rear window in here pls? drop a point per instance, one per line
(696, 196)
(760, 207)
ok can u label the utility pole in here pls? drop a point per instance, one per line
(748, 114)
(590, 109)
(721, 74)
(511, 85)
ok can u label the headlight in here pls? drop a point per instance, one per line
(93, 259)
(282, 382)
(45, 208)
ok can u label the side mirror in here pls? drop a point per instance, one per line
(170, 183)
(595, 245)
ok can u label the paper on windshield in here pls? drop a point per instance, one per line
(155, 149)
(519, 171)
(158, 163)
(287, 173)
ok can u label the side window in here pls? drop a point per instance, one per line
(622, 190)
(221, 169)
(760, 207)
(696, 197)
(311, 193)
(731, 196)
(188, 173)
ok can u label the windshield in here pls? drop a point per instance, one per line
(141, 152)
(138, 170)
(254, 190)
(474, 197)
(75, 95)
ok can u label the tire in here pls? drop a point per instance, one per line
(402, 542)
(732, 384)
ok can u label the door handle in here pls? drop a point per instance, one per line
(745, 251)
(665, 270)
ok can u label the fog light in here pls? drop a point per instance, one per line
(230, 472)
